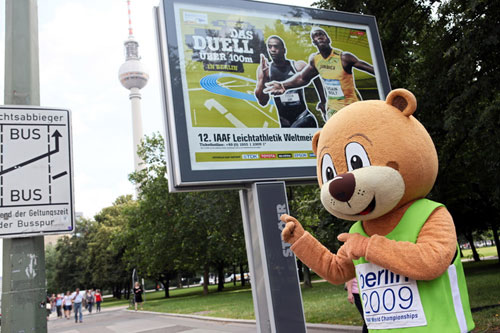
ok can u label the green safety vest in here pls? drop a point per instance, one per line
(444, 300)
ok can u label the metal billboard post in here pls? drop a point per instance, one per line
(276, 291)
(23, 286)
(221, 135)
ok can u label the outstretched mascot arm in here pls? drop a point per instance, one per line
(335, 269)
(427, 259)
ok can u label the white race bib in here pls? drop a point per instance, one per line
(389, 300)
(290, 97)
(333, 89)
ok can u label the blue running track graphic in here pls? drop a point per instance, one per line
(209, 83)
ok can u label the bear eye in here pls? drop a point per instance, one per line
(327, 168)
(356, 156)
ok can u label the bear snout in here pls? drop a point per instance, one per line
(342, 187)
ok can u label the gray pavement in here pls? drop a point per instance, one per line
(114, 320)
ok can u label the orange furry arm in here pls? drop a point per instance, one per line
(335, 269)
(427, 259)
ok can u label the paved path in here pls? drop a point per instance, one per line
(120, 320)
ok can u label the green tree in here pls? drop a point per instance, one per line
(93, 257)
(463, 113)
(179, 233)
(446, 54)
(71, 268)
(51, 259)
(156, 231)
(402, 25)
(222, 228)
(106, 247)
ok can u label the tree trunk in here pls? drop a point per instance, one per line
(179, 280)
(299, 268)
(242, 275)
(220, 274)
(166, 285)
(495, 239)
(234, 275)
(118, 294)
(307, 277)
(470, 239)
(205, 280)
(127, 290)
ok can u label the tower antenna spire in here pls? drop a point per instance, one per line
(130, 31)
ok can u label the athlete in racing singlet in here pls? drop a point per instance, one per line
(339, 85)
(291, 106)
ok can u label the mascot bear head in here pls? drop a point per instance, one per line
(373, 157)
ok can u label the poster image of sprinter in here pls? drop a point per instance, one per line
(333, 66)
(219, 55)
(291, 106)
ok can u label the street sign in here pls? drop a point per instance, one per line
(36, 172)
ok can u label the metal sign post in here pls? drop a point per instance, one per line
(35, 174)
(276, 291)
(23, 284)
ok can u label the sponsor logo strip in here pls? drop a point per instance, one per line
(245, 156)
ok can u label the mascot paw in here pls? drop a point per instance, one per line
(293, 229)
(354, 245)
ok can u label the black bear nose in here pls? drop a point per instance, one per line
(342, 187)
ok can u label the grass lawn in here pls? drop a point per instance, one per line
(486, 251)
(110, 302)
(483, 282)
(324, 303)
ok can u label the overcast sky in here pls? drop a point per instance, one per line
(81, 50)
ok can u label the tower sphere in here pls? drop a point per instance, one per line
(132, 74)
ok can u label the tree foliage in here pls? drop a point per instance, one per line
(446, 53)
(93, 256)
(186, 232)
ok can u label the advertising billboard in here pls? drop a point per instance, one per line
(247, 84)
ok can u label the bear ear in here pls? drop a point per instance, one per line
(315, 142)
(403, 100)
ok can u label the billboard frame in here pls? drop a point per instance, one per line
(181, 175)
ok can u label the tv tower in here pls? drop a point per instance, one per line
(134, 77)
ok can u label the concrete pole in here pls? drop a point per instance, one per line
(135, 99)
(23, 285)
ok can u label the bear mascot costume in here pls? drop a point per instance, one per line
(375, 165)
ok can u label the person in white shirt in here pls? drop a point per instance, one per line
(67, 302)
(77, 304)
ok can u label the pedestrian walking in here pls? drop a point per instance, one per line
(67, 305)
(53, 303)
(138, 291)
(353, 298)
(77, 298)
(59, 303)
(98, 300)
(90, 300)
(48, 306)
